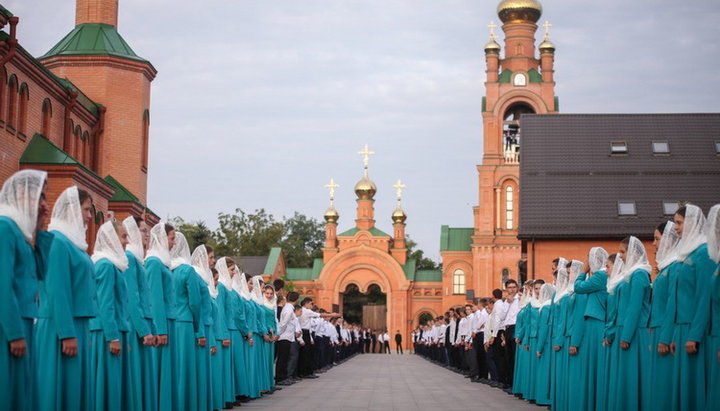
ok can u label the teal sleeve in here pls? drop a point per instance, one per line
(578, 319)
(157, 296)
(105, 274)
(543, 328)
(220, 324)
(638, 286)
(194, 301)
(593, 284)
(704, 269)
(667, 328)
(132, 275)
(58, 285)
(10, 320)
(520, 325)
(558, 325)
(241, 317)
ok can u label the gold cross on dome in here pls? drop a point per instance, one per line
(492, 26)
(366, 153)
(332, 186)
(547, 26)
(399, 187)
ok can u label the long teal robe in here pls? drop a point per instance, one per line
(661, 366)
(713, 346)
(67, 303)
(204, 387)
(592, 350)
(560, 388)
(520, 371)
(237, 327)
(271, 326)
(219, 362)
(530, 343)
(252, 353)
(627, 375)
(576, 371)
(162, 295)
(543, 393)
(18, 290)
(267, 380)
(187, 329)
(222, 326)
(142, 369)
(609, 352)
(689, 305)
(113, 386)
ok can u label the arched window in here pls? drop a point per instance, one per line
(77, 143)
(509, 208)
(511, 131)
(145, 139)
(46, 116)
(459, 281)
(68, 139)
(3, 91)
(86, 148)
(24, 96)
(12, 92)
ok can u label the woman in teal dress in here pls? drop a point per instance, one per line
(188, 330)
(22, 207)
(162, 295)
(543, 393)
(262, 337)
(252, 329)
(627, 375)
(593, 285)
(141, 341)
(713, 341)
(67, 303)
(532, 318)
(226, 312)
(661, 325)
(220, 360)
(560, 349)
(520, 374)
(111, 356)
(689, 305)
(200, 260)
(615, 266)
(270, 305)
(575, 333)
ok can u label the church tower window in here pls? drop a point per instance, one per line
(46, 116)
(519, 80)
(23, 98)
(12, 101)
(459, 281)
(509, 208)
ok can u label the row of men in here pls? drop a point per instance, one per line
(605, 336)
(142, 324)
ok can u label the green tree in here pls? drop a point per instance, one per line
(423, 263)
(195, 232)
(302, 240)
(248, 234)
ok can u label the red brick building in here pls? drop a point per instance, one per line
(81, 112)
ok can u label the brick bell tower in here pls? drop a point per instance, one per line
(103, 66)
(518, 83)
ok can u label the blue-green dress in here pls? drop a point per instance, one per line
(609, 352)
(162, 294)
(592, 352)
(629, 372)
(713, 346)
(265, 366)
(543, 375)
(18, 290)
(238, 332)
(67, 303)
(113, 385)
(560, 358)
(661, 330)
(223, 324)
(689, 305)
(142, 371)
(187, 331)
(577, 390)
(520, 372)
(271, 326)
(532, 318)
(204, 386)
(252, 352)
(218, 360)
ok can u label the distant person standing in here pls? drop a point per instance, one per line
(386, 343)
(398, 342)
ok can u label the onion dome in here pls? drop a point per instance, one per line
(547, 45)
(365, 188)
(331, 215)
(492, 47)
(519, 11)
(399, 216)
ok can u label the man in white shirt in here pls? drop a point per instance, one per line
(286, 336)
(295, 346)
(386, 342)
(508, 325)
(479, 323)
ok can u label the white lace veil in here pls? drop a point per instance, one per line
(562, 279)
(271, 304)
(575, 268)
(256, 293)
(635, 259)
(67, 217)
(240, 284)
(180, 253)
(597, 258)
(712, 232)
(20, 197)
(667, 249)
(224, 277)
(107, 245)
(616, 274)
(546, 292)
(159, 245)
(524, 297)
(199, 260)
(535, 299)
(135, 245)
(693, 235)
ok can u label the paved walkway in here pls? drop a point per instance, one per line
(388, 382)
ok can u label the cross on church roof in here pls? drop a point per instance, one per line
(492, 26)
(366, 153)
(332, 186)
(547, 26)
(399, 187)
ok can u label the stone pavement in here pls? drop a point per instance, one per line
(388, 382)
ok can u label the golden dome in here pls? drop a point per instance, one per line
(331, 215)
(519, 11)
(547, 45)
(365, 188)
(399, 216)
(492, 46)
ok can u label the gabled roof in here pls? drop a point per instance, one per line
(455, 239)
(429, 275)
(93, 39)
(409, 269)
(272, 261)
(570, 183)
(40, 150)
(252, 265)
(374, 231)
(306, 274)
(122, 194)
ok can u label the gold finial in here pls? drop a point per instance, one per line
(332, 186)
(399, 187)
(547, 26)
(492, 26)
(366, 153)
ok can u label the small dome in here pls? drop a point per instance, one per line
(492, 47)
(519, 11)
(331, 215)
(365, 189)
(399, 216)
(547, 46)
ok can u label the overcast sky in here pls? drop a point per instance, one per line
(258, 103)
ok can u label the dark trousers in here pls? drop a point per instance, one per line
(386, 347)
(399, 347)
(282, 348)
(293, 359)
(510, 352)
(499, 356)
(472, 362)
(481, 356)
(305, 362)
(374, 342)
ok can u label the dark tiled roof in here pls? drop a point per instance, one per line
(252, 265)
(570, 184)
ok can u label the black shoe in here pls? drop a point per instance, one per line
(474, 379)
(310, 377)
(284, 382)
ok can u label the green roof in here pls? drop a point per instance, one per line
(93, 39)
(122, 194)
(5, 11)
(272, 261)
(374, 231)
(409, 269)
(505, 76)
(557, 103)
(429, 275)
(306, 274)
(40, 150)
(535, 77)
(455, 239)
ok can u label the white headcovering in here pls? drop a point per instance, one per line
(562, 279)
(546, 293)
(180, 253)
(575, 269)
(635, 259)
(20, 197)
(693, 235)
(667, 249)
(135, 245)
(199, 260)
(597, 257)
(534, 299)
(239, 284)
(712, 232)
(224, 276)
(107, 245)
(67, 217)
(524, 297)
(256, 293)
(616, 274)
(271, 303)
(159, 245)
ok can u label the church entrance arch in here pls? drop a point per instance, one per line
(366, 309)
